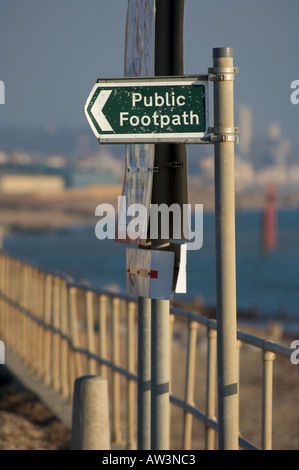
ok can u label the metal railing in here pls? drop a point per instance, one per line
(63, 330)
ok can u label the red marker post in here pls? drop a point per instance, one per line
(270, 220)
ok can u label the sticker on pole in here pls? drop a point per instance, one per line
(149, 273)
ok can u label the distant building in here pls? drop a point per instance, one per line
(28, 184)
(2, 93)
(245, 125)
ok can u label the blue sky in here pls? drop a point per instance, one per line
(52, 52)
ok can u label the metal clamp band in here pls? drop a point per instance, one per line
(223, 138)
(216, 70)
(220, 77)
(223, 130)
(223, 134)
(219, 74)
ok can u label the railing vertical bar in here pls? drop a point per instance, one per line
(189, 384)
(64, 362)
(32, 284)
(116, 433)
(75, 330)
(24, 303)
(35, 298)
(4, 331)
(11, 307)
(71, 352)
(8, 309)
(131, 401)
(1, 298)
(239, 345)
(40, 327)
(103, 302)
(31, 354)
(56, 337)
(89, 298)
(267, 398)
(6, 323)
(211, 386)
(17, 320)
(13, 318)
(7, 292)
(22, 284)
(48, 334)
(171, 322)
(2, 276)
(27, 305)
(18, 281)
(36, 324)
(32, 309)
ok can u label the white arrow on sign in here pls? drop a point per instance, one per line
(97, 110)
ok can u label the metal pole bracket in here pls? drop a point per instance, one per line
(218, 74)
(223, 134)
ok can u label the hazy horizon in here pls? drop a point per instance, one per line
(51, 54)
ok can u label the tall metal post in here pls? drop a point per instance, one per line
(228, 394)
(144, 374)
(160, 375)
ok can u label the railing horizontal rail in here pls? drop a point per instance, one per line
(62, 335)
(246, 445)
(70, 281)
(260, 343)
(265, 345)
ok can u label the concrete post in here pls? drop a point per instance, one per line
(90, 425)
(228, 399)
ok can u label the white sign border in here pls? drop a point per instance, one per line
(190, 137)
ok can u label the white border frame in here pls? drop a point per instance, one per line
(190, 137)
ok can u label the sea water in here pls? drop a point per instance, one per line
(268, 281)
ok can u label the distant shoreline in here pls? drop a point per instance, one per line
(76, 206)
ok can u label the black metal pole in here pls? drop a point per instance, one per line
(167, 188)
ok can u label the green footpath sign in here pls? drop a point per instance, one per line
(170, 109)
